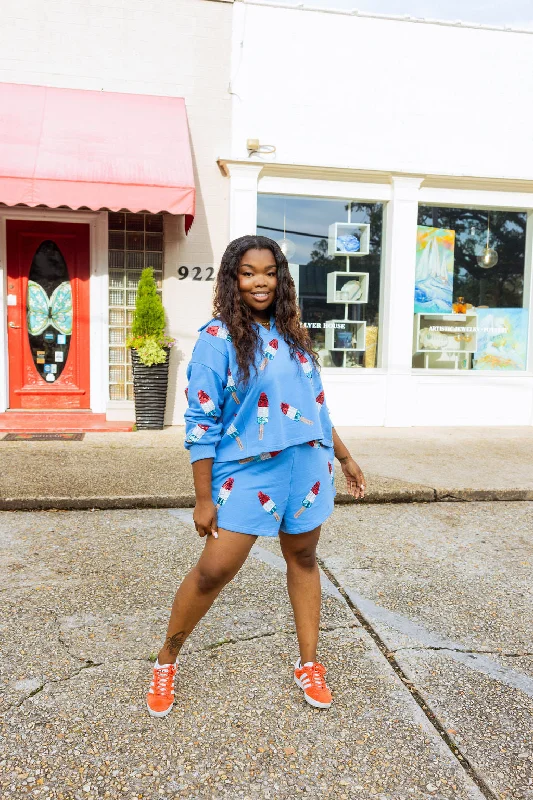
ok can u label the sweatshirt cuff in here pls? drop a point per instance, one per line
(199, 451)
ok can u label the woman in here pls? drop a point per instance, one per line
(262, 450)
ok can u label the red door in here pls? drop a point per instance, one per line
(48, 314)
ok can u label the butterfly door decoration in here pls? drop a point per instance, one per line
(49, 314)
(44, 311)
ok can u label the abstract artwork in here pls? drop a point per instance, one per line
(501, 338)
(434, 270)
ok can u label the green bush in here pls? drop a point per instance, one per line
(148, 327)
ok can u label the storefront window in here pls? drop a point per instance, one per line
(334, 254)
(469, 290)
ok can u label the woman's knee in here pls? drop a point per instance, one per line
(304, 558)
(209, 578)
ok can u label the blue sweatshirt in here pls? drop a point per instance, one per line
(283, 405)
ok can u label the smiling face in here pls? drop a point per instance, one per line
(257, 276)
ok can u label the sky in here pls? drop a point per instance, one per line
(517, 13)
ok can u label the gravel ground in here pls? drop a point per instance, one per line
(85, 604)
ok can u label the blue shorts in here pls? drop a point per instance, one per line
(291, 490)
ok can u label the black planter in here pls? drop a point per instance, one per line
(150, 391)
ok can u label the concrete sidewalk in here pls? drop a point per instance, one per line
(151, 468)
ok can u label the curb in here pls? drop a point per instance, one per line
(380, 497)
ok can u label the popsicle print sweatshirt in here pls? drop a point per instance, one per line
(282, 405)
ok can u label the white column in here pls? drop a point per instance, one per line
(99, 294)
(398, 300)
(528, 296)
(243, 199)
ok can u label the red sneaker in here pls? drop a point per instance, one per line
(310, 678)
(160, 697)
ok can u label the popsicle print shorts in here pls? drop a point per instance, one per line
(291, 490)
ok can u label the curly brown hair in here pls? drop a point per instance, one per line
(237, 316)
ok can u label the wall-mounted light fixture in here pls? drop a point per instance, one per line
(254, 147)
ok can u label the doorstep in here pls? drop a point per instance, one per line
(59, 422)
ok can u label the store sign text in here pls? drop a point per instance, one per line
(466, 329)
(341, 325)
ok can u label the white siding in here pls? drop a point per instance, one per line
(382, 94)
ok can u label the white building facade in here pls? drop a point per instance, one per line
(395, 156)
(422, 131)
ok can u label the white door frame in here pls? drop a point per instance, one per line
(98, 293)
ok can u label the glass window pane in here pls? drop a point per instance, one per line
(116, 259)
(135, 261)
(135, 222)
(116, 240)
(469, 290)
(117, 355)
(116, 221)
(135, 241)
(154, 260)
(154, 241)
(154, 223)
(117, 336)
(336, 266)
(116, 316)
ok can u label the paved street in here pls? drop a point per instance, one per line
(426, 633)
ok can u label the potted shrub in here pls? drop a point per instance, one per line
(150, 350)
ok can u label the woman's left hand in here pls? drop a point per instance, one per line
(355, 480)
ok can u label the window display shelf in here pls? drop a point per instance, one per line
(347, 336)
(445, 333)
(447, 360)
(349, 288)
(349, 239)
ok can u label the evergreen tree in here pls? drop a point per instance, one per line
(149, 316)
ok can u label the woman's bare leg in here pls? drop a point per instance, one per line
(220, 561)
(303, 584)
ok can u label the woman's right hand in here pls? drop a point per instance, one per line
(205, 518)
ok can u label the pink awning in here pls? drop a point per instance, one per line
(68, 147)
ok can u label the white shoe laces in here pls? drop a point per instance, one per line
(161, 679)
(315, 674)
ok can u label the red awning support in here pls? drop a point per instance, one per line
(76, 148)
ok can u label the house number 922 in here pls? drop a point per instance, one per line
(198, 273)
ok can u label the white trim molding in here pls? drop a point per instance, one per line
(243, 199)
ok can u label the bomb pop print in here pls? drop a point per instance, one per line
(234, 433)
(218, 332)
(186, 393)
(260, 457)
(262, 413)
(231, 388)
(330, 467)
(309, 498)
(307, 368)
(293, 413)
(314, 443)
(269, 353)
(268, 504)
(208, 407)
(225, 491)
(319, 400)
(196, 434)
